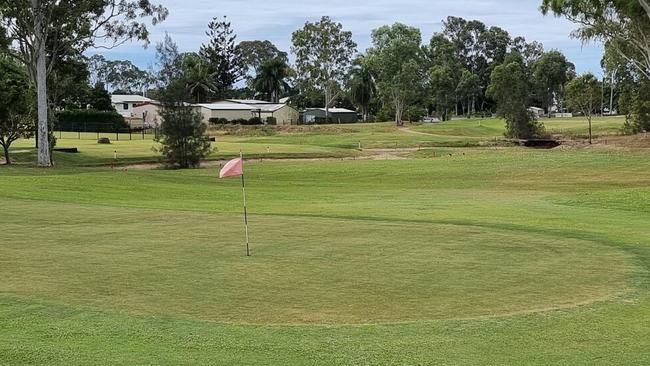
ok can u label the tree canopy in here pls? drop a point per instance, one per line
(324, 54)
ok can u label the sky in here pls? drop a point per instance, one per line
(275, 20)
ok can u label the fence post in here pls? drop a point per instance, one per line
(117, 134)
(130, 134)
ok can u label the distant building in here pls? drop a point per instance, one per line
(336, 115)
(148, 113)
(539, 112)
(124, 104)
(283, 113)
(224, 110)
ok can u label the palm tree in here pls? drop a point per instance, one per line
(362, 87)
(271, 78)
(198, 77)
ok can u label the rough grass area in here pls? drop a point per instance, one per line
(506, 256)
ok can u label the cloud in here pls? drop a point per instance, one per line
(276, 20)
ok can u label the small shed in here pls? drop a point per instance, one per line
(336, 115)
(283, 113)
(539, 112)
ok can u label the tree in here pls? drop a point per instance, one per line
(198, 76)
(467, 90)
(16, 118)
(70, 75)
(39, 29)
(510, 89)
(623, 24)
(123, 75)
(396, 60)
(583, 94)
(323, 57)
(222, 55)
(255, 53)
(271, 79)
(99, 99)
(361, 86)
(168, 62)
(183, 138)
(443, 86)
(550, 73)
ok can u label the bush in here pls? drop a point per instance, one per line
(103, 140)
(183, 137)
(89, 120)
(271, 121)
(218, 121)
(253, 121)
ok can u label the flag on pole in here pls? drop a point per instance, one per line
(235, 168)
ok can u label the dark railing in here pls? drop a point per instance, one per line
(94, 131)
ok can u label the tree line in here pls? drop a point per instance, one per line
(466, 69)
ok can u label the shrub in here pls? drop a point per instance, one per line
(218, 121)
(254, 121)
(89, 120)
(183, 137)
(103, 140)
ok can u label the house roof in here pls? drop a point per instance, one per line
(225, 106)
(268, 107)
(535, 109)
(332, 110)
(153, 102)
(123, 98)
(248, 101)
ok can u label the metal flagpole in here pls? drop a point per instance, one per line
(243, 189)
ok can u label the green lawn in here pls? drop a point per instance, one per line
(490, 128)
(484, 257)
(311, 141)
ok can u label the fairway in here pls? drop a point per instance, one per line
(425, 260)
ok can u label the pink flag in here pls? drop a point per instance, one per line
(233, 168)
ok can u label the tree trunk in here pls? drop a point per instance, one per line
(589, 119)
(327, 105)
(611, 94)
(398, 113)
(41, 87)
(6, 150)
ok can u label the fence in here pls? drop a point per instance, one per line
(86, 131)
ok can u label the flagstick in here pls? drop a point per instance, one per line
(243, 189)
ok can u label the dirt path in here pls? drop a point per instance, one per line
(367, 154)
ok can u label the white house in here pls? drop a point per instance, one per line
(124, 104)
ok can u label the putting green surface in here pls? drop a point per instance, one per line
(304, 270)
(506, 256)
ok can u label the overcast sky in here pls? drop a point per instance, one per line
(275, 20)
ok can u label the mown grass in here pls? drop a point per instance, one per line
(483, 257)
(576, 127)
(309, 141)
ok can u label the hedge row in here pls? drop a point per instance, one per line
(242, 121)
(89, 120)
